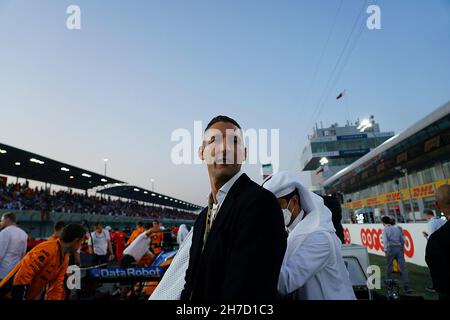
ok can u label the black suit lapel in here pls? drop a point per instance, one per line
(227, 204)
(194, 255)
(197, 250)
(197, 237)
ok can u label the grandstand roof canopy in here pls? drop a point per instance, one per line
(418, 146)
(23, 164)
(139, 194)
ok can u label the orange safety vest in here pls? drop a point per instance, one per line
(43, 270)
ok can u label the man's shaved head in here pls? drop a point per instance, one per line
(443, 199)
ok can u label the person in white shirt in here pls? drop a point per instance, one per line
(139, 248)
(313, 267)
(434, 223)
(13, 244)
(101, 241)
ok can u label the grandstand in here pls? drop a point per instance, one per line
(115, 202)
(399, 178)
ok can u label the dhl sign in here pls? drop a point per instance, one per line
(393, 197)
(423, 191)
(417, 192)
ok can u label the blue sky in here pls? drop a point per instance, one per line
(138, 70)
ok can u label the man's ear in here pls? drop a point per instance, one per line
(200, 153)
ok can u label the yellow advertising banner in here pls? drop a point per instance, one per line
(417, 192)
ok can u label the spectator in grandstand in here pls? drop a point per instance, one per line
(438, 247)
(394, 242)
(434, 223)
(228, 241)
(118, 238)
(313, 267)
(101, 241)
(40, 274)
(182, 233)
(13, 244)
(139, 229)
(21, 197)
(58, 228)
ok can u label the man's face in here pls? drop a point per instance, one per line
(223, 150)
(76, 244)
(293, 205)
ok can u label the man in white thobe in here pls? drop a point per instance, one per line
(313, 267)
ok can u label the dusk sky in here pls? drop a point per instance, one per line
(138, 70)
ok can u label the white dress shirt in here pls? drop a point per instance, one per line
(222, 194)
(13, 246)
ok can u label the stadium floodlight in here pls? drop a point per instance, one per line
(36, 161)
(153, 195)
(160, 196)
(145, 192)
(165, 198)
(103, 180)
(364, 125)
(136, 189)
(65, 169)
(17, 163)
(2, 151)
(153, 184)
(86, 175)
(71, 177)
(323, 161)
(176, 200)
(171, 199)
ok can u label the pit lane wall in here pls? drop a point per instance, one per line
(369, 235)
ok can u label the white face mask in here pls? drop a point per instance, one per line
(287, 214)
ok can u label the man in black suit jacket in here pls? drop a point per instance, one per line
(438, 247)
(239, 240)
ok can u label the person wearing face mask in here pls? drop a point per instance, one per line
(313, 267)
